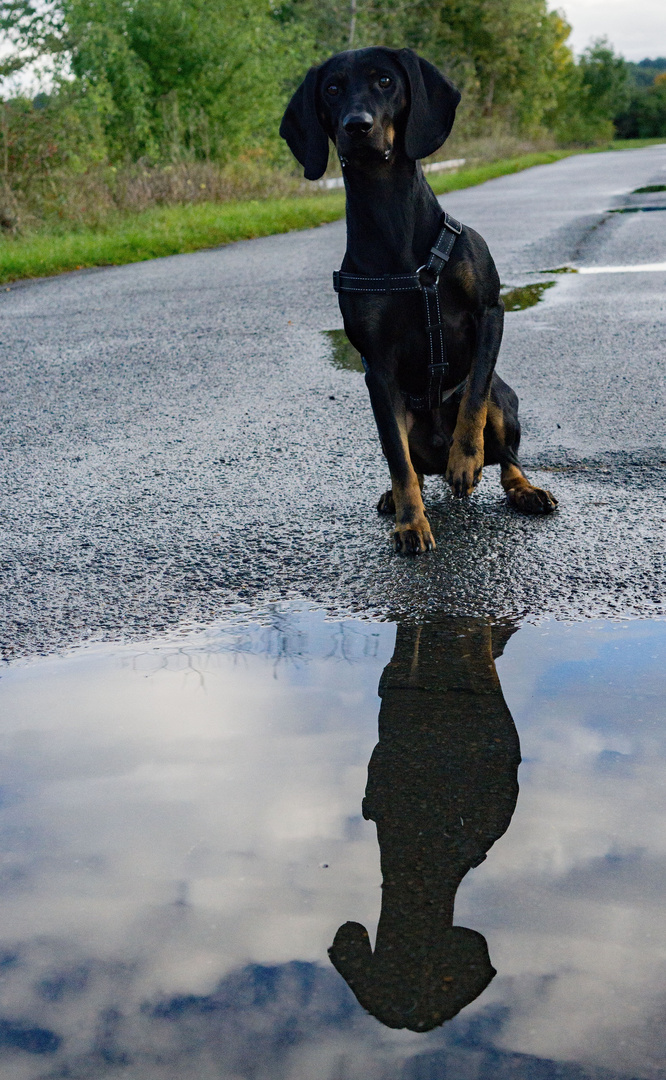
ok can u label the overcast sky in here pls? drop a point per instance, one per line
(637, 28)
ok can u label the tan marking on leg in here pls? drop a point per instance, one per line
(463, 470)
(412, 532)
(513, 477)
(386, 504)
(496, 421)
(524, 496)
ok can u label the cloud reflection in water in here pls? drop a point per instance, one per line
(182, 837)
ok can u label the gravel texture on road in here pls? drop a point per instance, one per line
(177, 443)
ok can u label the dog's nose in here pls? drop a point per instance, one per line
(357, 123)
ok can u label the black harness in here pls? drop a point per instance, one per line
(425, 280)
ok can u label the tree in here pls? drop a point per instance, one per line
(645, 114)
(171, 78)
(590, 95)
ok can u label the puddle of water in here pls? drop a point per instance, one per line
(525, 296)
(194, 835)
(343, 353)
(560, 270)
(635, 209)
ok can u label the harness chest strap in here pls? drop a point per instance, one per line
(425, 280)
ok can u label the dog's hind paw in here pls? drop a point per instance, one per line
(531, 500)
(386, 504)
(414, 538)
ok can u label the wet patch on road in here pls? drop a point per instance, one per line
(560, 270)
(190, 826)
(525, 296)
(649, 189)
(343, 355)
(635, 209)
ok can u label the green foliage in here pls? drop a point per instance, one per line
(605, 80)
(643, 73)
(590, 95)
(50, 134)
(173, 230)
(182, 79)
(506, 55)
(172, 78)
(155, 84)
(35, 28)
(645, 114)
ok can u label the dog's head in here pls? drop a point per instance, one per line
(370, 102)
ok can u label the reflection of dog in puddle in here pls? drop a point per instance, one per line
(442, 787)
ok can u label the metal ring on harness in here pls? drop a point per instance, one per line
(426, 284)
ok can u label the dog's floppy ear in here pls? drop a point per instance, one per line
(433, 104)
(302, 129)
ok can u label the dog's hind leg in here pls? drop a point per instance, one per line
(522, 495)
(502, 438)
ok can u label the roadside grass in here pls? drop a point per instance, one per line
(178, 229)
(632, 144)
(470, 177)
(162, 230)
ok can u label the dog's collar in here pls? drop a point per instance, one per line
(425, 280)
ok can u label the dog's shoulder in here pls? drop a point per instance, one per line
(472, 269)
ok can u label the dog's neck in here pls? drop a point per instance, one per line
(392, 216)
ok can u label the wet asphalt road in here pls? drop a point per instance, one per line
(177, 442)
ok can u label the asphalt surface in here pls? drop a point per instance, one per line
(177, 443)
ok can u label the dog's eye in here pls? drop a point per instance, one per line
(384, 81)
(332, 89)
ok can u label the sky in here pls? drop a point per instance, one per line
(636, 28)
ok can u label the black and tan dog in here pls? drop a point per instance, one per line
(385, 109)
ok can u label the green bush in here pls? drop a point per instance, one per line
(645, 115)
(148, 86)
(590, 95)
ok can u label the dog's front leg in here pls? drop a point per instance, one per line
(412, 531)
(463, 470)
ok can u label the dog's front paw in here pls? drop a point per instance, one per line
(463, 470)
(531, 500)
(414, 537)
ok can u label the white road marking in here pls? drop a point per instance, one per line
(642, 268)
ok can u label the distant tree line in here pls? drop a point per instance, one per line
(167, 81)
(644, 113)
